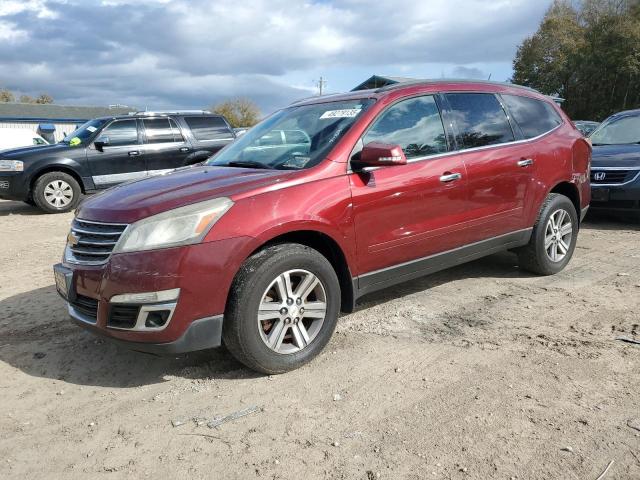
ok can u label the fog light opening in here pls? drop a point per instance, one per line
(157, 318)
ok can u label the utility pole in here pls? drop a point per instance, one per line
(321, 84)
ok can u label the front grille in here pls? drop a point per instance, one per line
(86, 306)
(4, 184)
(92, 242)
(123, 316)
(612, 176)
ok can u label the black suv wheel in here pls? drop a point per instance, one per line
(56, 192)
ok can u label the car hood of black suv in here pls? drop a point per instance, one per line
(616, 155)
(37, 152)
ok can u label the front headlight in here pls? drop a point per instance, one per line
(11, 166)
(181, 226)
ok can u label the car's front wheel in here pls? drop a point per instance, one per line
(282, 308)
(56, 192)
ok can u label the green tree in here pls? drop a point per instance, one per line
(548, 58)
(6, 96)
(240, 112)
(587, 52)
(9, 96)
(44, 98)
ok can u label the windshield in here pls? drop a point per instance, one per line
(85, 131)
(293, 138)
(618, 131)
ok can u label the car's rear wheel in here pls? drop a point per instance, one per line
(56, 192)
(553, 239)
(282, 309)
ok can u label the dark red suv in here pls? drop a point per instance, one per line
(331, 198)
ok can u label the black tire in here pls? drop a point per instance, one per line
(41, 184)
(534, 256)
(241, 334)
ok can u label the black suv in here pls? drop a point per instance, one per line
(106, 151)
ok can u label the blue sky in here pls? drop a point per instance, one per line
(194, 53)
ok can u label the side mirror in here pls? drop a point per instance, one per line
(376, 154)
(100, 143)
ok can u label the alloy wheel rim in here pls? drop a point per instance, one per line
(58, 193)
(292, 311)
(558, 235)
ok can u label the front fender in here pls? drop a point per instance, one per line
(322, 206)
(72, 166)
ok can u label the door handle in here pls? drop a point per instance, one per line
(450, 177)
(525, 162)
(184, 149)
(134, 153)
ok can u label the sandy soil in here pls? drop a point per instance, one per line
(481, 372)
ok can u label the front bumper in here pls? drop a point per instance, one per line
(12, 186)
(201, 334)
(203, 273)
(616, 198)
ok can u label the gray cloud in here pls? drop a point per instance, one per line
(194, 53)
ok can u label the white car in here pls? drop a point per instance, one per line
(19, 137)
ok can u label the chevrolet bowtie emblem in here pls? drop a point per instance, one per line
(72, 239)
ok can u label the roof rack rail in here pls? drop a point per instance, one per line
(394, 86)
(169, 112)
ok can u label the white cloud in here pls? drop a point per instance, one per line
(39, 7)
(10, 33)
(191, 53)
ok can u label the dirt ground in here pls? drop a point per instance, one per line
(482, 372)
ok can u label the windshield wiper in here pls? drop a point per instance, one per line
(245, 164)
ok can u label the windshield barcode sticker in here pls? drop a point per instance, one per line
(346, 113)
(91, 128)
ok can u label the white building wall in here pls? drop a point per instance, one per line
(62, 129)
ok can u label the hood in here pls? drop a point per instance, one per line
(616, 156)
(139, 199)
(35, 151)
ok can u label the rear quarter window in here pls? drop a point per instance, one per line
(534, 117)
(208, 128)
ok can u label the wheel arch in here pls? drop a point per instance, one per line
(569, 190)
(56, 168)
(330, 249)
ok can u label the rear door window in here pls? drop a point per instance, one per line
(414, 124)
(121, 133)
(209, 128)
(534, 117)
(161, 130)
(480, 119)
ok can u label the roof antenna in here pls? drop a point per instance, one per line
(489, 79)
